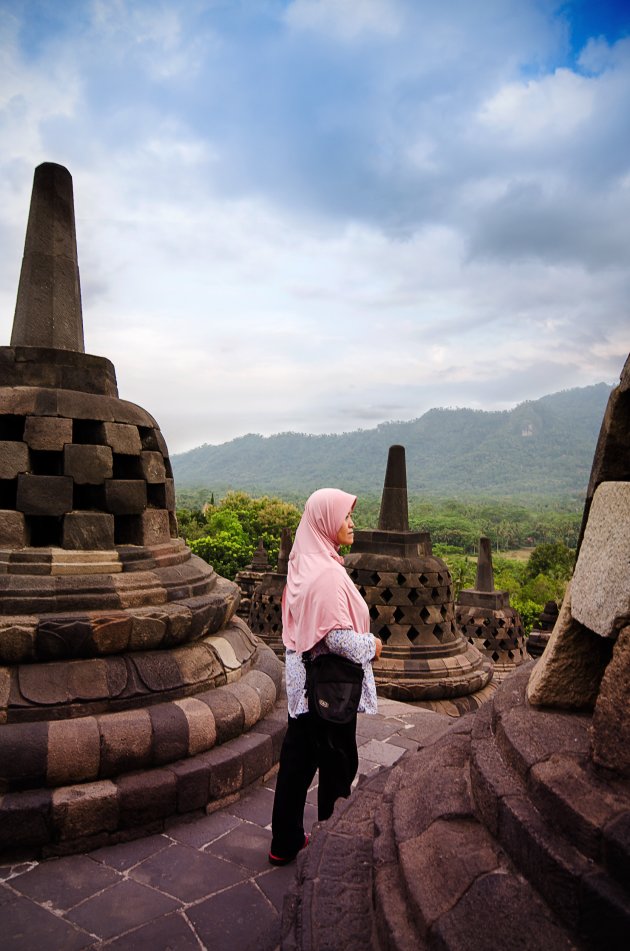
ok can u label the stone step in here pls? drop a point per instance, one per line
(564, 827)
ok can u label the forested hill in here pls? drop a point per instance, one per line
(541, 447)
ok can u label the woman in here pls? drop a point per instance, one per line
(321, 611)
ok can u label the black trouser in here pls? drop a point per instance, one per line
(311, 743)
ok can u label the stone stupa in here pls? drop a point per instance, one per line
(486, 618)
(127, 683)
(250, 576)
(409, 593)
(265, 615)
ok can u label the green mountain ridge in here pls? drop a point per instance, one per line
(541, 447)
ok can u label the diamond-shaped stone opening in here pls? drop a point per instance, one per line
(375, 578)
(413, 595)
(438, 630)
(423, 579)
(486, 622)
(386, 595)
(443, 611)
(435, 594)
(501, 622)
(479, 631)
(487, 644)
(354, 574)
(400, 578)
(413, 632)
(384, 633)
(362, 591)
(440, 578)
(495, 656)
(449, 593)
(374, 612)
(398, 615)
(425, 614)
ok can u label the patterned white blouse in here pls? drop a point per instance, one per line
(360, 648)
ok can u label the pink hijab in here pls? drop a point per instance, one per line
(319, 597)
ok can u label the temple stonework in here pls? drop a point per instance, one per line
(539, 635)
(409, 593)
(250, 576)
(127, 683)
(265, 615)
(486, 619)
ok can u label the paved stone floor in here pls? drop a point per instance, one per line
(204, 883)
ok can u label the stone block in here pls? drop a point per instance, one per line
(146, 797)
(152, 464)
(569, 672)
(73, 751)
(170, 494)
(85, 810)
(88, 465)
(49, 433)
(192, 777)
(611, 720)
(264, 687)
(225, 765)
(170, 733)
(248, 699)
(600, 597)
(227, 711)
(44, 494)
(23, 752)
(125, 741)
(25, 818)
(12, 530)
(88, 531)
(17, 640)
(13, 459)
(155, 526)
(126, 496)
(122, 438)
(202, 731)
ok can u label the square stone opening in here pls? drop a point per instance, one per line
(8, 493)
(128, 530)
(44, 530)
(156, 495)
(87, 431)
(88, 498)
(45, 462)
(127, 467)
(149, 439)
(12, 427)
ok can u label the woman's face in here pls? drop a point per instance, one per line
(345, 535)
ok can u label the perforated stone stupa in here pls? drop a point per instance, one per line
(250, 576)
(487, 620)
(265, 616)
(410, 597)
(127, 683)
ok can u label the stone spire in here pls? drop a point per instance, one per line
(48, 309)
(286, 544)
(394, 516)
(487, 620)
(485, 574)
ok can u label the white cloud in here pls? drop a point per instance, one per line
(346, 19)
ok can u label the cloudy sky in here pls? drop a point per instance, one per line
(317, 215)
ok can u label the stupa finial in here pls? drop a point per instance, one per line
(394, 514)
(48, 309)
(485, 573)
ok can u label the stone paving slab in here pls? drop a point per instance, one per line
(204, 883)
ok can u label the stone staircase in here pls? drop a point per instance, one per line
(497, 834)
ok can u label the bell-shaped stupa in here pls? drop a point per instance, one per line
(487, 620)
(410, 596)
(126, 679)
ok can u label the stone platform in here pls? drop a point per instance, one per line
(198, 883)
(497, 834)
